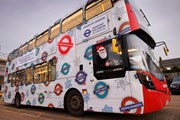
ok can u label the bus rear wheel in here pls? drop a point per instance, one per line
(74, 103)
(18, 101)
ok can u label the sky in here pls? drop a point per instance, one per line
(21, 20)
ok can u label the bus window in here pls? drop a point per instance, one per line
(10, 77)
(40, 73)
(55, 31)
(29, 75)
(52, 69)
(13, 79)
(97, 8)
(72, 21)
(31, 44)
(23, 49)
(10, 57)
(42, 38)
(15, 54)
(20, 78)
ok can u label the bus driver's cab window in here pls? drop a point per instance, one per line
(105, 61)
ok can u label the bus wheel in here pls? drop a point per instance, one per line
(74, 103)
(18, 101)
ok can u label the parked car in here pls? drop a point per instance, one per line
(175, 85)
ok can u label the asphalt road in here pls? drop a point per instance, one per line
(9, 112)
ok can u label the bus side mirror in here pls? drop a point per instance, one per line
(115, 48)
(165, 51)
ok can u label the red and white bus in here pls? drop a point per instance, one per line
(99, 58)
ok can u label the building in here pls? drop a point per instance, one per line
(171, 68)
(2, 70)
(170, 63)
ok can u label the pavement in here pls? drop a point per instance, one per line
(10, 112)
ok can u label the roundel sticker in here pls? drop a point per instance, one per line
(126, 108)
(41, 98)
(101, 90)
(44, 56)
(9, 95)
(28, 102)
(50, 105)
(22, 96)
(124, 28)
(58, 89)
(47, 83)
(33, 89)
(6, 89)
(13, 66)
(65, 44)
(81, 77)
(65, 69)
(88, 53)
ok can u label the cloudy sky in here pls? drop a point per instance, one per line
(21, 20)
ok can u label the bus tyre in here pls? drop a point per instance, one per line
(18, 101)
(74, 103)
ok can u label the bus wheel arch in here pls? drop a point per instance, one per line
(17, 100)
(73, 102)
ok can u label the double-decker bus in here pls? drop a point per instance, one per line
(99, 59)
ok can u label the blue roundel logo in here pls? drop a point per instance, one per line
(87, 33)
(33, 89)
(81, 77)
(65, 68)
(101, 90)
(88, 53)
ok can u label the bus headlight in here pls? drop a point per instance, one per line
(146, 81)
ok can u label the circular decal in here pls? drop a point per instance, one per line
(17, 89)
(47, 83)
(17, 68)
(55, 58)
(37, 51)
(44, 56)
(124, 28)
(22, 96)
(51, 105)
(58, 89)
(81, 77)
(41, 98)
(65, 68)
(33, 89)
(50, 40)
(101, 90)
(65, 44)
(6, 89)
(126, 108)
(88, 53)
(28, 103)
(9, 95)
(87, 33)
(13, 66)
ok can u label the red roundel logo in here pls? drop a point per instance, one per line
(65, 44)
(58, 89)
(51, 105)
(136, 104)
(22, 96)
(44, 56)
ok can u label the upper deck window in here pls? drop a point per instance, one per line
(55, 30)
(15, 54)
(97, 8)
(42, 38)
(31, 44)
(23, 49)
(72, 21)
